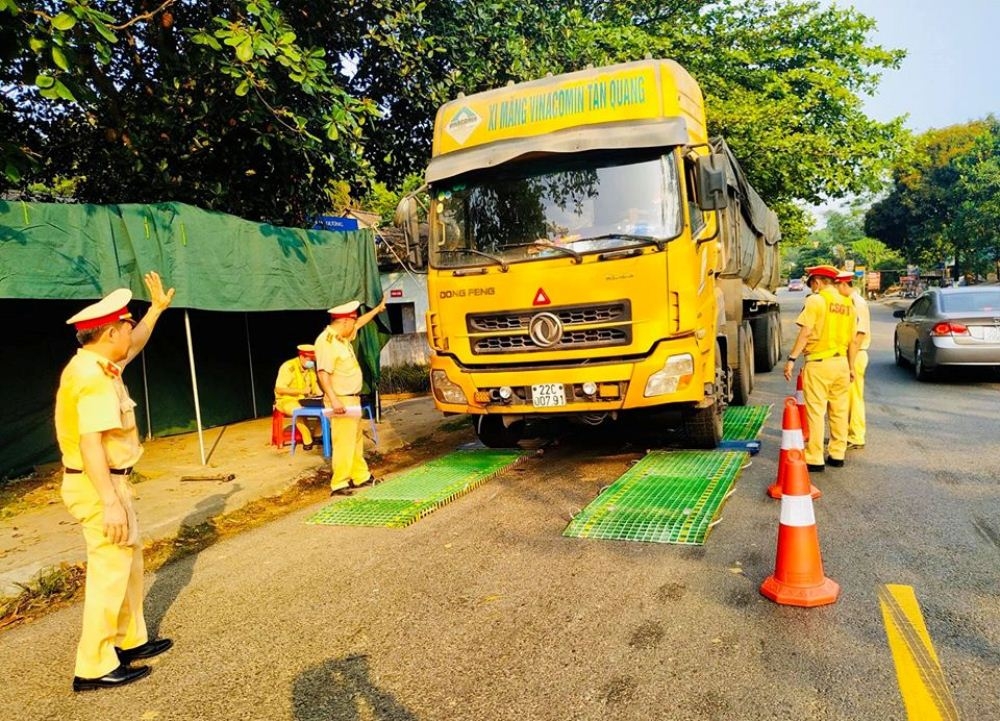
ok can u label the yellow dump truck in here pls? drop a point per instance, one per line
(593, 255)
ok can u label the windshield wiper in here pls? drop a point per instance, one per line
(645, 239)
(498, 261)
(577, 258)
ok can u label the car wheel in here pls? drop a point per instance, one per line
(919, 369)
(898, 352)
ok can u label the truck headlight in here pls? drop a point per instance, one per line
(446, 391)
(676, 374)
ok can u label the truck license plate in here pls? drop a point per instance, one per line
(548, 395)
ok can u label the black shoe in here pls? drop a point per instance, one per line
(119, 677)
(855, 446)
(835, 462)
(815, 467)
(307, 446)
(341, 490)
(146, 650)
(370, 479)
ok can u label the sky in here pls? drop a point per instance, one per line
(950, 74)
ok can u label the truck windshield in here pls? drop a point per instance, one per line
(545, 211)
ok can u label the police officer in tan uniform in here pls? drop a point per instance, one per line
(826, 335)
(297, 380)
(96, 430)
(856, 424)
(340, 378)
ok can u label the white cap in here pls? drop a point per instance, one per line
(345, 309)
(110, 309)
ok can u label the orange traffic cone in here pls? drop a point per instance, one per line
(798, 578)
(800, 401)
(791, 440)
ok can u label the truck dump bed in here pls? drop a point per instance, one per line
(750, 232)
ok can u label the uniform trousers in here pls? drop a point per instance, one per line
(112, 606)
(856, 426)
(286, 405)
(348, 463)
(826, 387)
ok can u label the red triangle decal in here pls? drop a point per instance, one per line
(541, 298)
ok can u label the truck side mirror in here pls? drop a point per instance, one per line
(713, 181)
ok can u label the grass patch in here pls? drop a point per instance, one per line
(409, 378)
(52, 588)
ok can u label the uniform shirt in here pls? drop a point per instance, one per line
(291, 374)
(864, 320)
(335, 355)
(93, 399)
(832, 321)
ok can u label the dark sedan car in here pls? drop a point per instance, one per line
(949, 326)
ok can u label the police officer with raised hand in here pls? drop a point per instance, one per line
(99, 442)
(340, 378)
(826, 336)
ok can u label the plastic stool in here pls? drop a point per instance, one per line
(324, 421)
(277, 428)
(371, 420)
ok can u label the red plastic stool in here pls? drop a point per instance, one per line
(281, 435)
(277, 428)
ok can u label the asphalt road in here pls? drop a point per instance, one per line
(484, 611)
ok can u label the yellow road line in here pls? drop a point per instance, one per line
(921, 681)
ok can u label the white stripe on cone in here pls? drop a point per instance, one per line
(797, 511)
(792, 439)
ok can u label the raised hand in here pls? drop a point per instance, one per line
(161, 300)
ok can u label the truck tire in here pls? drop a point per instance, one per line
(492, 433)
(703, 426)
(743, 375)
(766, 342)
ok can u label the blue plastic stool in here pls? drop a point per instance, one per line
(371, 420)
(324, 424)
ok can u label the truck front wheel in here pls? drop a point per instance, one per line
(492, 432)
(703, 426)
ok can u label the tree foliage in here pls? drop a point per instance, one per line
(256, 106)
(842, 239)
(213, 103)
(943, 202)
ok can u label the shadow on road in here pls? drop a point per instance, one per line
(341, 690)
(175, 573)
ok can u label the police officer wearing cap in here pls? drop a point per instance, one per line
(856, 423)
(297, 380)
(826, 338)
(340, 378)
(99, 441)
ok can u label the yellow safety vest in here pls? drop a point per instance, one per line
(837, 331)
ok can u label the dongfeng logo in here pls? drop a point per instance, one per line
(546, 329)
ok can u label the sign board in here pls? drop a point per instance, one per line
(874, 281)
(332, 222)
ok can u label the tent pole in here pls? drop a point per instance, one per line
(253, 390)
(194, 385)
(145, 394)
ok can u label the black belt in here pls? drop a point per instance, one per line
(114, 471)
(820, 360)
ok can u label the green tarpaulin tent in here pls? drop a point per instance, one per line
(246, 294)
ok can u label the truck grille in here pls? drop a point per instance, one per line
(497, 332)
